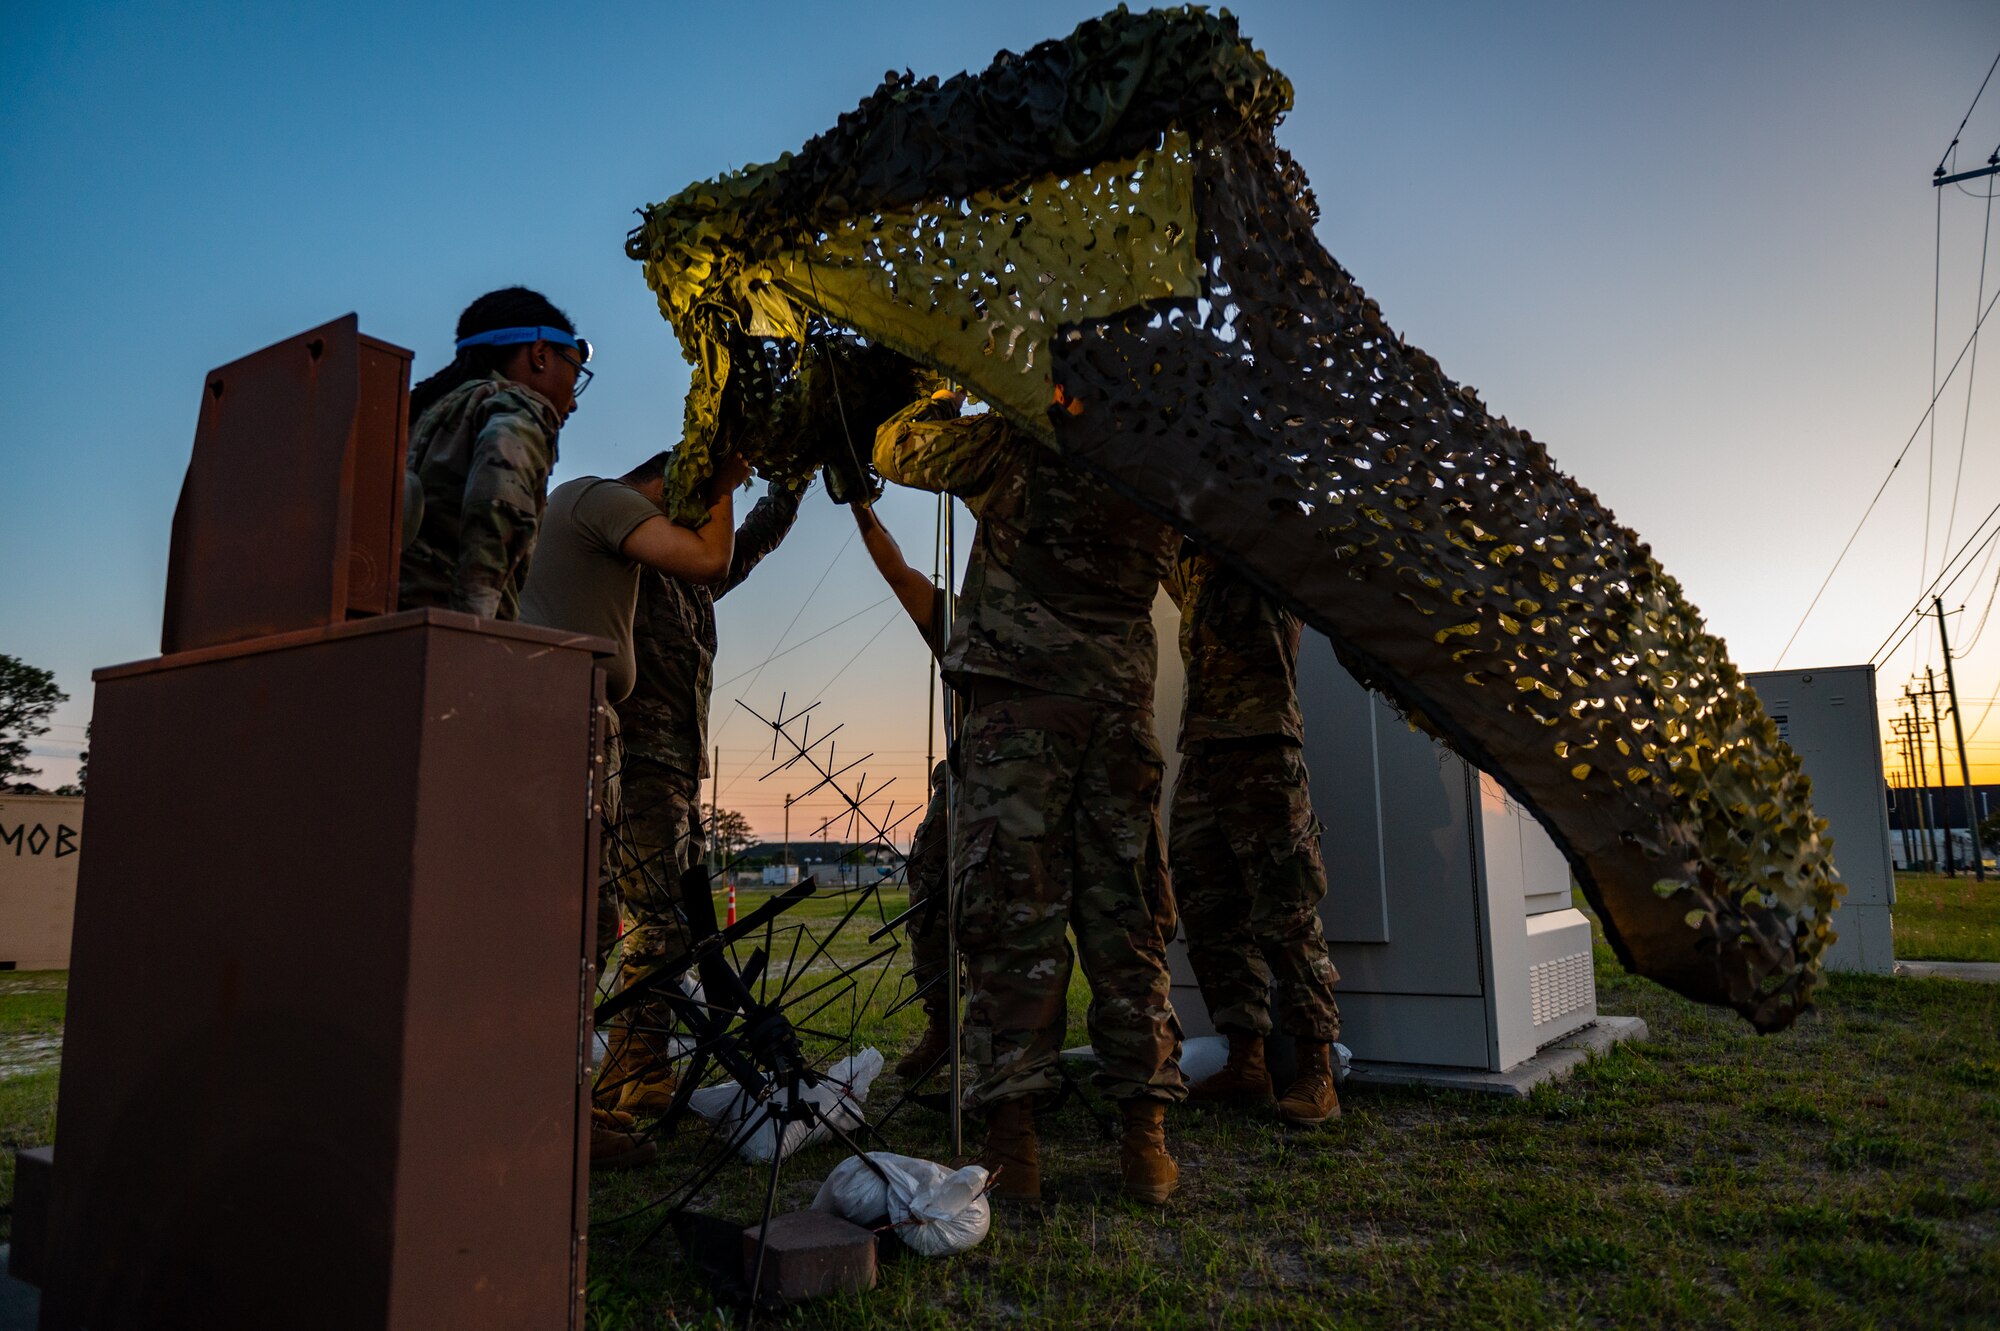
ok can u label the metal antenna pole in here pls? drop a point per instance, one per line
(1924, 818)
(942, 578)
(1944, 809)
(952, 996)
(1964, 768)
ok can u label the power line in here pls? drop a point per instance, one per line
(803, 641)
(1938, 586)
(1971, 370)
(789, 626)
(1966, 648)
(1930, 446)
(1886, 479)
(1967, 116)
(1915, 615)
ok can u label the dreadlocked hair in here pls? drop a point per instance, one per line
(509, 307)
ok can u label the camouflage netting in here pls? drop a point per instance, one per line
(1108, 222)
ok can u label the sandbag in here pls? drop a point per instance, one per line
(840, 1095)
(934, 1210)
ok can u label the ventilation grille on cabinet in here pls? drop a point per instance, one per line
(1560, 986)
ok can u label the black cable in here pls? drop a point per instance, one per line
(1885, 481)
(1965, 648)
(1971, 376)
(1938, 586)
(1930, 447)
(1919, 613)
(804, 642)
(1967, 117)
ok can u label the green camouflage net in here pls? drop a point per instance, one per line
(1107, 221)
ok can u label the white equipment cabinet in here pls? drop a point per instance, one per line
(1448, 909)
(1828, 717)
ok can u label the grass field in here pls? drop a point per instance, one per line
(1844, 1173)
(1947, 919)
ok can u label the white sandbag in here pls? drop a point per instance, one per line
(855, 1192)
(840, 1095)
(1203, 1056)
(949, 1216)
(934, 1210)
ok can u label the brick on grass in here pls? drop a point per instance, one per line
(811, 1254)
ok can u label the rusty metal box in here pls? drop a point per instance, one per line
(326, 1030)
(291, 513)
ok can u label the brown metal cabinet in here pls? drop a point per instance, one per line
(324, 1057)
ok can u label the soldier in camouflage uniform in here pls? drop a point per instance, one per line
(1058, 819)
(482, 442)
(665, 759)
(1244, 843)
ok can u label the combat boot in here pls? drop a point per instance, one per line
(1012, 1154)
(930, 1047)
(1311, 1099)
(613, 1144)
(1244, 1078)
(636, 1078)
(1146, 1170)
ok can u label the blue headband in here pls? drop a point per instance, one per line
(506, 337)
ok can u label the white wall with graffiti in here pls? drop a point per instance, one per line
(41, 837)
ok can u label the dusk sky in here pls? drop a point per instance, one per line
(1693, 248)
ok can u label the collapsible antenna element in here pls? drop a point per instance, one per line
(756, 1021)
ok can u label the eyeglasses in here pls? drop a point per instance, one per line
(583, 372)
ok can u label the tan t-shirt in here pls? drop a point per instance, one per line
(579, 580)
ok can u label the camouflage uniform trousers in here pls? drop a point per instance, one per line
(925, 869)
(1058, 830)
(1248, 876)
(653, 834)
(664, 839)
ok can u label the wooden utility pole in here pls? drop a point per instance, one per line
(1944, 810)
(1923, 779)
(1906, 725)
(1964, 767)
(1901, 781)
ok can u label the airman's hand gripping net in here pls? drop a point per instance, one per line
(1106, 223)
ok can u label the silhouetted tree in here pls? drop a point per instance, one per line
(28, 696)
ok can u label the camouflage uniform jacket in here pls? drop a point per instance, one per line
(482, 455)
(1241, 651)
(673, 640)
(1059, 588)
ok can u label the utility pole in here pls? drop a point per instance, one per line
(1919, 830)
(1901, 812)
(1964, 767)
(714, 797)
(1908, 818)
(1944, 809)
(1924, 819)
(788, 841)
